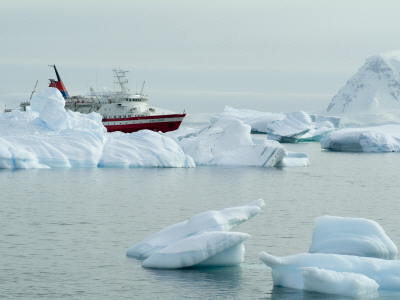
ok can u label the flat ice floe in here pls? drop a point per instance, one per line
(203, 240)
(332, 271)
(384, 138)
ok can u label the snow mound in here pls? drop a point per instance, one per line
(48, 136)
(374, 88)
(351, 236)
(384, 138)
(341, 283)
(203, 240)
(228, 142)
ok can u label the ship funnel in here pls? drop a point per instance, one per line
(58, 84)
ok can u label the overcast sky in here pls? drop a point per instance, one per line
(280, 55)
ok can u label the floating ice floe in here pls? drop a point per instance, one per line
(351, 236)
(337, 273)
(384, 138)
(228, 142)
(48, 136)
(203, 240)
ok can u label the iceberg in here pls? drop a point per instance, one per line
(202, 240)
(351, 236)
(317, 132)
(208, 249)
(383, 138)
(48, 136)
(348, 256)
(256, 119)
(287, 271)
(228, 142)
(290, 129)
(284, 127)
(340, 283)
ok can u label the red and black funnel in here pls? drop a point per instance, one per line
(58, 84)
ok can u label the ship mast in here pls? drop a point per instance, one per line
(121, 80)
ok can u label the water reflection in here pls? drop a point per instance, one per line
(215, 281)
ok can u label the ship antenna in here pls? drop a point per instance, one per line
(141, 92)
(34, 89)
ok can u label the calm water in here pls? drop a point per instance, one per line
(64, 233)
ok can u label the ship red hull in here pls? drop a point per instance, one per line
(161, 123)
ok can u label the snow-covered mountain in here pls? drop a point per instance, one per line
(375, 88)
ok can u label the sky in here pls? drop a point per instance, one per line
(197, 56)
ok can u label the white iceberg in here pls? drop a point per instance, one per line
(340, 283)
(384, 138)
(294, 159)
(228, 142)
(48, 136)
(216, 248)
(257, 120)
(284, 127)
(203, 240)
(287, 271)
(290, 129)
(349, 256)
(317, 132)
(351, 236)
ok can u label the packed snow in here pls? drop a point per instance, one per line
(351, 236)
(384, 138)
(203, 240)
(350, 256)
(372, 95)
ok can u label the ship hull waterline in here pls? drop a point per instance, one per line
(163, 123)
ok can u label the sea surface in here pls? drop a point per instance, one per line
(65, 232)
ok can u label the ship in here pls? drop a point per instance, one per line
(120, 110)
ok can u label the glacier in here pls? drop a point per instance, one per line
(202, 240)
(383, 138)
(348, 256)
